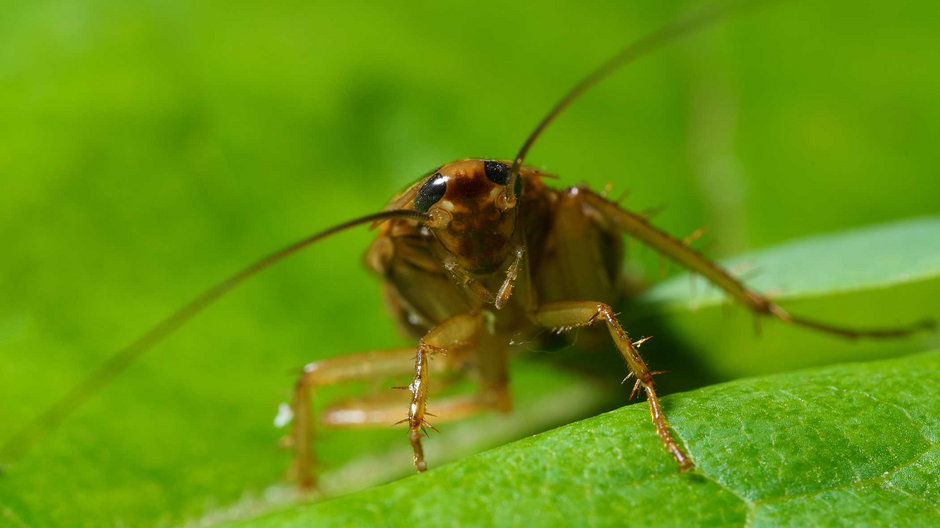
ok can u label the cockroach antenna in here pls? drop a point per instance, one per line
(20, 442)
(17, 445)
(679, 27)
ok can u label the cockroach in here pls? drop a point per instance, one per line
(478, 258)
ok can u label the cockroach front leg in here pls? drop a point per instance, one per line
(636, 226)
(566, 315)
(456, 333)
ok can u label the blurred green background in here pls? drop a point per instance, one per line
(148, 149)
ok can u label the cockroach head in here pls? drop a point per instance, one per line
(471, 211)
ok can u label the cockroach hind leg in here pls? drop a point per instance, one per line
(637, 225)
(581, 313)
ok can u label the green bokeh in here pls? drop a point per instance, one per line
(147, 149)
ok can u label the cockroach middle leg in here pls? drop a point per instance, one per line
(450, 344)
(374, 364)
(386, 410)
(573, 314)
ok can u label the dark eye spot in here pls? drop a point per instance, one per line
(497, 172)
(429, 193)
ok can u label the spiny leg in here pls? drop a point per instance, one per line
(638, 227)
(384, 411)
(365, 365)
(458, 333)
(419, 400)
(493, 394)
(572, 314)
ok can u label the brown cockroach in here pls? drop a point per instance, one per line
(478, 258)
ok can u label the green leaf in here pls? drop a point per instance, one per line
(166, 443)
(852, 445)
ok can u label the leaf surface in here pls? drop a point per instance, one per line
(167, 444)
(850, 445)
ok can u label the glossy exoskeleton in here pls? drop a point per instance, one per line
(489, 261)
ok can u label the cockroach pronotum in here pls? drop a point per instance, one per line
(477, 258)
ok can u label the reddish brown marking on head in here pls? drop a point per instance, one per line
(470, 226)
(467, 185)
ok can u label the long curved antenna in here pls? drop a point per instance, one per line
(20, 442)
(677, 28)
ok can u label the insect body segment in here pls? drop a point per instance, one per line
(462, 197)
(475, 278)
